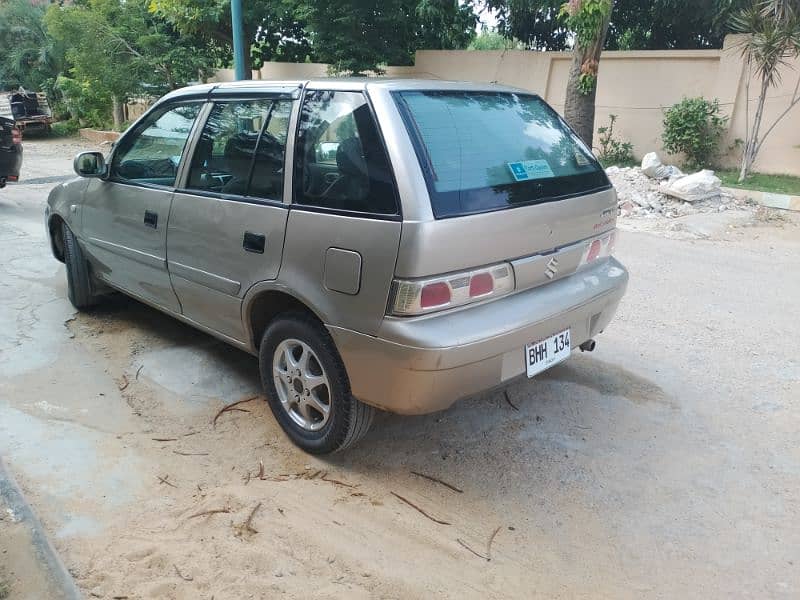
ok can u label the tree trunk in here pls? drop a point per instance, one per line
(248, 61)
(117, 112)
(753, 145)
(579, 107)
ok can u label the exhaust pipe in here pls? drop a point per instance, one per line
(588, 346)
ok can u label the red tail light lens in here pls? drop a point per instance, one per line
(435, 294)
(481, 284)
(16, 136)
(601, 247)
(594, 251)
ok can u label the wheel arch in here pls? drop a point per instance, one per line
(54, 227)
(264, 302)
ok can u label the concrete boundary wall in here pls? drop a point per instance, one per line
(636, 86)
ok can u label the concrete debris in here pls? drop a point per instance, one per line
(639, 196)
(653, 167)
(696, 187)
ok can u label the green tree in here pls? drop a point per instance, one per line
(443, 24)
(772, 29)
(117, 49)
(282, 36)
(670, 24)
(353, 36)
(273, 29)
(356, 36)
(535, 23)
(655, 25)
(29, 57)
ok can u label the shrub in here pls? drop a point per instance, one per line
(613, 151)
(694, 127)
(65, 128)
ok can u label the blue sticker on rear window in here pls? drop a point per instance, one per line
(530, 169)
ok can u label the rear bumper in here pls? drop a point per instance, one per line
(422, 365)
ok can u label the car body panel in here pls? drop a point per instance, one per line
(209, 268)
(309, 236)
(122, 249)
(486, 238)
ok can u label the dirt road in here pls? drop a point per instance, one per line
(665, 464)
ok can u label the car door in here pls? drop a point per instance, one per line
(344, 226)
(227, 223)
(124, 216)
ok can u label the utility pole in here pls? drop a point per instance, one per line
(238, 40)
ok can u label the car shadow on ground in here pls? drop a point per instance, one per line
(569, 411)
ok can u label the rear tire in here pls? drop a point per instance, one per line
(307, 386)
(79, 283)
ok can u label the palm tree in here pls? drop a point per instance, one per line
(772, 29)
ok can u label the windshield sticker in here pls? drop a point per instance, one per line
(530, 169)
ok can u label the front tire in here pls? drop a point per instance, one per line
(79, 284)
(307, 386)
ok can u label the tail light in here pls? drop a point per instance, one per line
(601, 247)
(16, 136)
(421, 296)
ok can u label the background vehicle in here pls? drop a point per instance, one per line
(384, 244)
(10, 151)
(26, 109)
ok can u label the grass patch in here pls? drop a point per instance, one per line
(778, 184)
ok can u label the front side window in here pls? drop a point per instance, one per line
(151, 153)
(483, 151)
(241, 149)
(341, 163)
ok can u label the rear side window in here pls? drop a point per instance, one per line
(341, 163)
(241, 149)
(484, 151)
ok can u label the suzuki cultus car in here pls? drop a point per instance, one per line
(377, 244)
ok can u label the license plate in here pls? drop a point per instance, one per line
(544, 354)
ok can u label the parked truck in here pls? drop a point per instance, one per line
(26, 109)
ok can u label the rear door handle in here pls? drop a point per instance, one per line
(254, 242)
(151, 219)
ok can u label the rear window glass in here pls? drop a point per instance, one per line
(484, 151)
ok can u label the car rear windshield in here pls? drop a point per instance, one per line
(485, 151)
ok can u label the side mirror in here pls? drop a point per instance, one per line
(90, 164)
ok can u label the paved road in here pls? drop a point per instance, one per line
(664, 464)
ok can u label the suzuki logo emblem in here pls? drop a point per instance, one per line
(552, 268)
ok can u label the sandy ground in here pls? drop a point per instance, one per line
(665, 464)
(22, 574)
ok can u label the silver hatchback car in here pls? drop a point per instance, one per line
(376, 243)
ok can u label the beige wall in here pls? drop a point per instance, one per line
(636, 86)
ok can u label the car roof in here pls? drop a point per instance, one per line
(333, 83)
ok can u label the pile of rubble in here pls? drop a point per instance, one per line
(655, 189)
